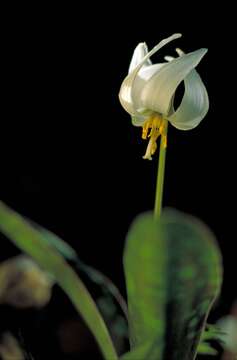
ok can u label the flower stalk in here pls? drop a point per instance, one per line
(161, 171)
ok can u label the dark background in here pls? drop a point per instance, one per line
(70, 158)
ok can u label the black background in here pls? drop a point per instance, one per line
(70, 158)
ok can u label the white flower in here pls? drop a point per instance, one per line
(148, 91)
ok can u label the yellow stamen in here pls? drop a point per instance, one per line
(156, 125)
(146, 127)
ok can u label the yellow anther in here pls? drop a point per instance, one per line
(146, 127)
(157, 122)
(162, 128)
(156, 125)
(144, 132)
(153, 148)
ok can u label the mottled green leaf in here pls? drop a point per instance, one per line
(173, 274)
(31, 241)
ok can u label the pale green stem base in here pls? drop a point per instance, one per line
(161, 172)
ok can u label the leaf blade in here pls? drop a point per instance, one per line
(173, 274)
(28, 239)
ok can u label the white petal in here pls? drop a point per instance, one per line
(194, 105)
(126, 87)
(158, 92)
(139, 53)
(144, 75)
(147, 72)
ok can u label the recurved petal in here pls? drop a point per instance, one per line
(139, 53)
(194, 105)
(125, 96)
(159, 90)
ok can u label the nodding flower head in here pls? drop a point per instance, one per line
(147, 93)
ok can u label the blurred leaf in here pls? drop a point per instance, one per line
(173, 274)
(211, 333)
(93, 274)
(31, 241)
(50, 238)
(106, 307)
(206, 349)
(142, 352)
(116, 323)
(120, 327)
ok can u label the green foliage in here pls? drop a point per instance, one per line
(32, 242)
(110, 291)
(108, 288)
(211, 332)
(173, 274)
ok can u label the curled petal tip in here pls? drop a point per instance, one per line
(199, 53)
(203, 51)
(141, 44)
(166, 41)
(177, 35)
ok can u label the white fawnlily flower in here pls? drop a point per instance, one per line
(148, 91)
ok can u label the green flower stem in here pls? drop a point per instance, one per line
(161, 171)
